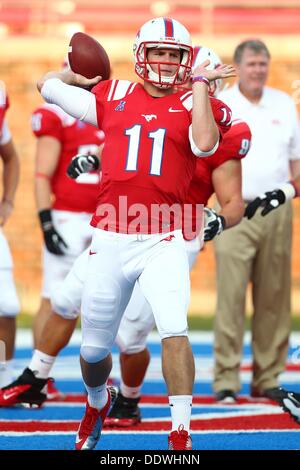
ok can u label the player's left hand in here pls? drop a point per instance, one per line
(6, 208)
(214, 224)
(269, 201)
(223, 71)
(82, 164)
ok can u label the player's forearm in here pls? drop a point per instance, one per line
(75, 101)
(296, 183)
(205, 131)
(42, 193)
(11, 171)
(233, 212)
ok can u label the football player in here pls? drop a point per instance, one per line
(155, 154)
(220, 173)
(64, 209)
(9, 302)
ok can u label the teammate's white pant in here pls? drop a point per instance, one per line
(137, 321)
(9, 302)
(116, 262)
(75, 229)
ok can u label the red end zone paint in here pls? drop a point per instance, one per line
(162, 399)
(243, 423)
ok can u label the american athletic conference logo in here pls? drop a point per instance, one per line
(120, 106)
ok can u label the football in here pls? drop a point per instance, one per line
(87, 57)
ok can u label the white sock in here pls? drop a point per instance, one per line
(97, 396)
(42, 364)
(6, 373)
(130, 392)
(181, 409)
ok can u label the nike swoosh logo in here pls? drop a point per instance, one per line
(93, 252)
(171, 110)
(7, 396)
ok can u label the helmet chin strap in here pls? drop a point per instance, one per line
(166, 82)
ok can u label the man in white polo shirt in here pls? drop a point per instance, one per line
(257, 250)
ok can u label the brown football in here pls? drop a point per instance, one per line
(87, 57)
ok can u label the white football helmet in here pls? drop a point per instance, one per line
(163, 33)
(201, 54)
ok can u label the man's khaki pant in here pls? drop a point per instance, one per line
(259, 251)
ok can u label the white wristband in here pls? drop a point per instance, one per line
(289, 191)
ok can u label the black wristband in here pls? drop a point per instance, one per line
(45, 219)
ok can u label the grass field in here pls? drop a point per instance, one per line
(201, 323)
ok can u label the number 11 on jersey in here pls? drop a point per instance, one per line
(158, 137)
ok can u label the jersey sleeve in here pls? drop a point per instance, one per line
(102, 92)
(222, 114)
(235, 145)
(45, 122)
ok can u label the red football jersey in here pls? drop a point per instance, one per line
(78, 195)
(235, 145)
(4, 104)
(147, 157)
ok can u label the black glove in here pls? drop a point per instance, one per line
(269, 201)
(214, 224)
(53, 241)
(82, 164)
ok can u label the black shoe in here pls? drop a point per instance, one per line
(291, 404)
(226, 396)
(26, 389)
(124, 413)
(274, 393)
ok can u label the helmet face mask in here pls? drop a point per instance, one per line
(163, 33)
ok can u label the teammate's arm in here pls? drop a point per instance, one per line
(47, 156)
(227, 185)
(296, 183)
(11, 170)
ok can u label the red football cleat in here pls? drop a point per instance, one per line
(53, 394)
(26, 389)
(179, 440)
(91, 425)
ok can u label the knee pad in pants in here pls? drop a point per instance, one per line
(100, 322)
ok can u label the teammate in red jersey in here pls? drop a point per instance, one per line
(220, 174)
(158, 260)
(64, 208)
(9, 302)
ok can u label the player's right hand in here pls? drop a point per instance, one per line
(214, 224)
(55, 244)
(82, 164)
